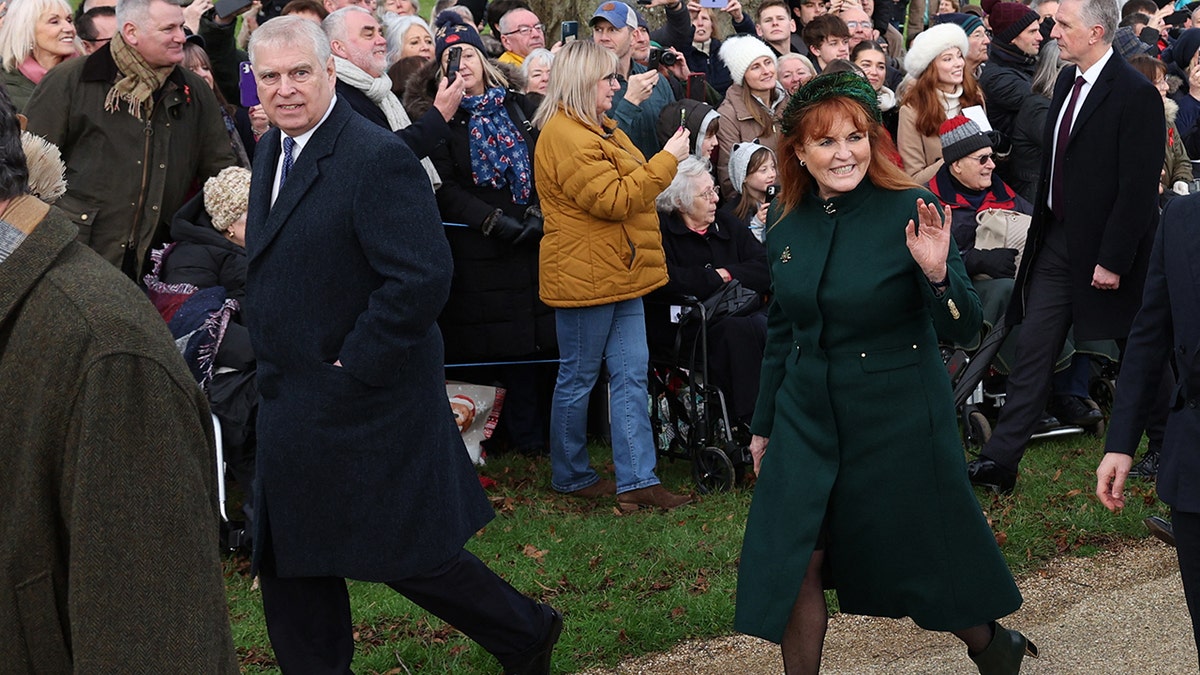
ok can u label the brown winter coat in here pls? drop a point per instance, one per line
(602, 243)
(737, 126)
(107, 509)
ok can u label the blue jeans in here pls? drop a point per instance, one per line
(587, 336)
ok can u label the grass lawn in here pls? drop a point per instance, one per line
(632, 584)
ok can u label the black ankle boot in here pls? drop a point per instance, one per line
(1004, 653)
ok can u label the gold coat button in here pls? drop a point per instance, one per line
(954, 314)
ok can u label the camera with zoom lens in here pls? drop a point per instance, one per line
(660, 56)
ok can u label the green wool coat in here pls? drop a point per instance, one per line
(107, 503)
(863, 437)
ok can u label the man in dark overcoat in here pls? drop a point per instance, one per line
(1089, 243)
(361, 470)
(1168, 324)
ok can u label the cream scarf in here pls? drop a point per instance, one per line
(379, 90)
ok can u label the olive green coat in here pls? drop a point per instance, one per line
(862, 428)
(108, 510)
(19, 88)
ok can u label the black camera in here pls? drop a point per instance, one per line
(659, 56)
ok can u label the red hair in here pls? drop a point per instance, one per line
(816, 122)
(925, 99)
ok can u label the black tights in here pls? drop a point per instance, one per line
(804, 635)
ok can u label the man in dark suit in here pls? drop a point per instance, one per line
(1169, 322)
(362, 473)
(1089, 243)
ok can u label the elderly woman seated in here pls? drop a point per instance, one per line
(706, 250)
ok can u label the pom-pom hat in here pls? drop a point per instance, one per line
(450, 30)
(931, 42)
(961, 137)
(740, 51)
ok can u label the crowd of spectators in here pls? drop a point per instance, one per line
(723, 73)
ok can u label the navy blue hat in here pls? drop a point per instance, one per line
(450, 29)
(968, 22)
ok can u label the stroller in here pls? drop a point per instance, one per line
(688, 414)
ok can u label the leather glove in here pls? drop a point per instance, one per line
(502, 227)
(532, 226)
(997, 263)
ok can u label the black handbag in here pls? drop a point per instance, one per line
(732, 299)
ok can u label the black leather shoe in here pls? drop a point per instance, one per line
(984, 472)
(1161, 528)
(1074, 410)
(1147, 468)
(538, 663)
(1046, 422)
(1004, 653)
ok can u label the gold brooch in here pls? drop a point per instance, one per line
(786, 255)
(953, 309)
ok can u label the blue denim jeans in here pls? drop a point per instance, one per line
(587, 336)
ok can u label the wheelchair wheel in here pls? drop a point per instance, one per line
(1098, 428)
(712, 471)
(978, 430)
(1103, 391)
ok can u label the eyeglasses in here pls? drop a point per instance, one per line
(710, 192)
(852, 25)
(613, 79)
(984, 159)
(526, 30)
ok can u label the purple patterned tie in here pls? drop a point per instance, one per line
(288, 145)
(1060, 151)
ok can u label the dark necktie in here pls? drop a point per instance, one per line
(1060, 152)
(288, 146)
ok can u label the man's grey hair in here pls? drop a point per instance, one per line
(133, 11)
(505, 22)
(1103, 13)
(291, 31)
(678, 196)
(335, 23)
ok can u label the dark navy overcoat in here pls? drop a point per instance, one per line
(361, 470)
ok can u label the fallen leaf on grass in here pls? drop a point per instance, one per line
(1001, 538)
(678, 612)
(532, 551)
(621, 636)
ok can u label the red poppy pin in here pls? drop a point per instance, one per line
(187, 94)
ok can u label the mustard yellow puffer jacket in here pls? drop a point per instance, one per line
(602, 243)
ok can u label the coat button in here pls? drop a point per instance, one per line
(83, 216)
(1191, 403)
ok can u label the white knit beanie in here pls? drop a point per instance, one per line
(227, 196)
(739, 161)
(931, 42)
(740, 51)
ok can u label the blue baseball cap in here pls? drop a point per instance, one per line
(619, 14)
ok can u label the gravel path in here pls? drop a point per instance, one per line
(1118, 612)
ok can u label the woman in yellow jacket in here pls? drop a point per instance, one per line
(601, 253)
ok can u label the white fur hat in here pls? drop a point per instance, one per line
(740, 51)
(931, 42)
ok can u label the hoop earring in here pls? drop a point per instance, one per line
(802, 163)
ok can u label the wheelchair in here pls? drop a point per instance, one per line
(979, 390)
(688, 413)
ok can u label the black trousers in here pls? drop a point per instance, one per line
(1187, 546)
(1047, 320)
(308, 618)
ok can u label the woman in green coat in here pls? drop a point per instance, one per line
(865, 485)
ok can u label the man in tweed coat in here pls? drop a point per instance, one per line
(107, 503)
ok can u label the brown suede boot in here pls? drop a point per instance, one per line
(601, 488)
(653, 497)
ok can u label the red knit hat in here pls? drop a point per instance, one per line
(961, 137)
(1008, 19)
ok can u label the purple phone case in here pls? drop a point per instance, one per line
(247, 86)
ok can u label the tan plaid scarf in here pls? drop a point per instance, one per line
(141, 80)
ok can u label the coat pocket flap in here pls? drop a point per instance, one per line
(889, 359)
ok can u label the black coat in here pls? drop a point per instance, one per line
(494, 311)
(692, 261)
(1025, 160)
(1168, 324)
(1006, 82)
(1110, 187)
(205, 258)
(362, 472)
(422, 136)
